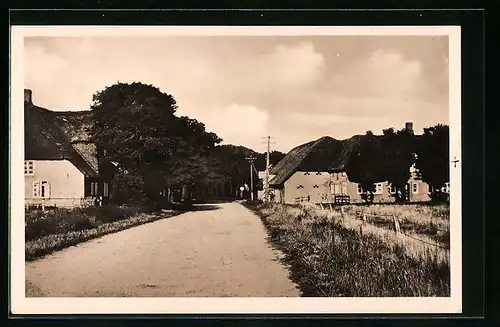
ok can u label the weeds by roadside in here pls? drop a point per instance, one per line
(55, 229)
(329, 258)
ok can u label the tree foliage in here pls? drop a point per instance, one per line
(365, 166)
(399, 156)
(433, 158)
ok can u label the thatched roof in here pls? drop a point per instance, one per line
(52, 135)
(324, 154)
(327, 154)
(290, 163)
(87, 151)
(75, 124)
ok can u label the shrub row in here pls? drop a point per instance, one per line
(40, 223)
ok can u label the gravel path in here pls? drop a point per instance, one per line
(216, 252)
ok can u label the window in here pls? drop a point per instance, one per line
(344, 188)
(391, 189)
(379, 188)
(93, 188)
(105, 189)
(360, 189)
(315, 186)
(318, 173)
(307, 173)
(41, 189)
(300, 186)
(334, 188)
(414, 188)
(45, 189)
(28, 167)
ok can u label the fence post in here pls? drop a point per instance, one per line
(396, 225)
(364, 218)
(330, 205)
(43, 204)
(321, 205)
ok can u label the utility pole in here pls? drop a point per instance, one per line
(251, 159)
(266, 180)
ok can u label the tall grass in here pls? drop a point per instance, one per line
(330, 256)
(431, 221)
(40, 223)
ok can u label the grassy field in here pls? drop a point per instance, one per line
(55, 229)
(429, 221)
(337, 254)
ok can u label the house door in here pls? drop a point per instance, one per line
(407, 191)
(45, 189)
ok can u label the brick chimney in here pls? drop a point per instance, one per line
(27, 96)
(409, 127)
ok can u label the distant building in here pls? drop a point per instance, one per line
(61, 166)
(316, 172)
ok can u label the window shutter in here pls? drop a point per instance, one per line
(36, 189)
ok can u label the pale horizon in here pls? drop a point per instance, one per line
(293, 88)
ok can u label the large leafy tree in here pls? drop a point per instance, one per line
(365, 167)
(136, 127)
(399, 155)
(433, 158)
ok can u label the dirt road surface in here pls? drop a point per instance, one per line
(215, 252)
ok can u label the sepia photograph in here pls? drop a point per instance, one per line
(235, 169)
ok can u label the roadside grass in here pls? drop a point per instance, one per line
(55, 229)
(331, 255)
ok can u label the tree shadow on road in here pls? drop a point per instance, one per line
(189, 208)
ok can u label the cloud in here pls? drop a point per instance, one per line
(40, 65)
(280, 68)
(298, 64)
(238, 124)
(385, 73)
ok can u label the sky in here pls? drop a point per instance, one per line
(293, 88)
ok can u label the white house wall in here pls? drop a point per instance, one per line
(301, 187)
(67, 183)
(302, 184)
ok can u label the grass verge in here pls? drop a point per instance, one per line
(49, 233)
(330, 259)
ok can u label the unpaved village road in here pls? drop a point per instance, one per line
(218, 252)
